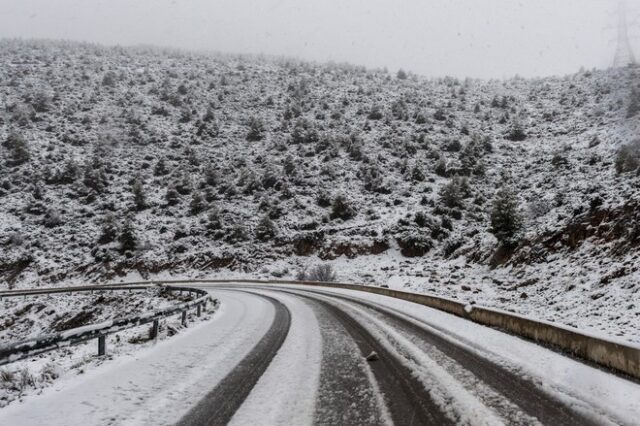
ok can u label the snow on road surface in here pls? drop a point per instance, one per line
(553, 371)
(161, 384)
(286, 393)
(157, 385)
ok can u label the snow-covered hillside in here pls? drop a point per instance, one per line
(119, 160)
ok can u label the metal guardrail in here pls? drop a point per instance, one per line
(26, 348)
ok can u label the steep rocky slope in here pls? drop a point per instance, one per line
(119, 160)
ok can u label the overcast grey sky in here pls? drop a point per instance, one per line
(477, 38)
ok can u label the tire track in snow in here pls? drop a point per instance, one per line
(286, 393)
(348, 393)
(525, 394)
(219, 405)
(408, 402)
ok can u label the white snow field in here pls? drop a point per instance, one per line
(159, 385)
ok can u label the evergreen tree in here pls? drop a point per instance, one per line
(127, 239)
(451, 195)
(139, 196)
(517, 133)
(160, 168)
(197, 203)
(18, 147)
(109, 231)
(506, 222)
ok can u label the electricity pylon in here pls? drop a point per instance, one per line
(624, 53)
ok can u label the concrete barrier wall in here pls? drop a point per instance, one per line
(624, 358)
(619, 356)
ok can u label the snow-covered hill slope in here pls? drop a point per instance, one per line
(116, 160)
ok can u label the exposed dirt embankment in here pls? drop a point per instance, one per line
(614, 230)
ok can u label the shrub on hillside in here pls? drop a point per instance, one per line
(160, 168)
(172, 197)
(376, 113)
(256, 129)
(628, 157)
(304, 132)
(452, 194)
(321, 273)
(109, 79)
(413, 242)
(197, 204)
(40, 101)
(341, 208)
(18, 148)
(634, 104)
(516, 133)
(109, 231)
(266, 229)
(214, 220)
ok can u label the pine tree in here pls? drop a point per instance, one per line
(197, 203)
(451, 195)
(506, 222)
(161, 168)
(517, 133)
(18, 147)
(127, 239)
(109, 230)
(139, 196)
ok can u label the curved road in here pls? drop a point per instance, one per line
(294, 355)
(417, 376)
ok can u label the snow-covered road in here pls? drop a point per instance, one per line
(291, 355)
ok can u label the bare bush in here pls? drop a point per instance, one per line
(321, 273)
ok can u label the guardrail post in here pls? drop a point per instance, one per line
(199, 310)
(184, 318)
(102, 345)
(154, 329)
